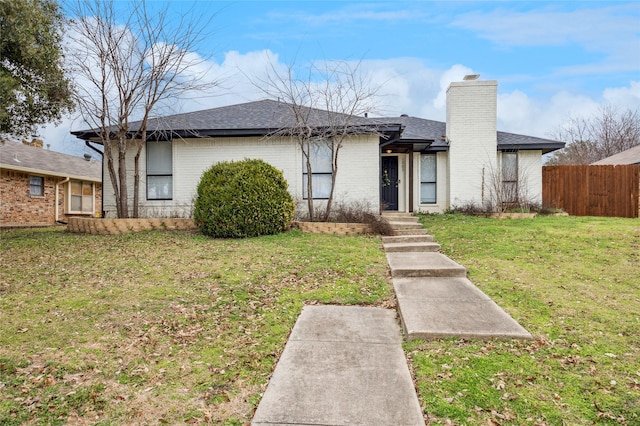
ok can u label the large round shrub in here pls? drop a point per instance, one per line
(243, 199)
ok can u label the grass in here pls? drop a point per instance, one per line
(170, 327)
(160, 327)
(574, 283)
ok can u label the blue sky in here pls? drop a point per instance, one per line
(552, 60)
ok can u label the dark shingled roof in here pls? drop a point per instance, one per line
(420, 129)
(266, 116)
(30, 159)
(256, 118)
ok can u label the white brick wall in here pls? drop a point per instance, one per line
(357, 175)
(530, 175)
(471, 132)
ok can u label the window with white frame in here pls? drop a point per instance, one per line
(509, 177)
(36, 186)
(159, 170)
(81, 197)
(428, 179)
(321, 158)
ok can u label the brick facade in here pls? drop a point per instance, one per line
(19, 208)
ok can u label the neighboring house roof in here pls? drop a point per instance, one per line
(263, 117)
(630, 156)
(29, 159)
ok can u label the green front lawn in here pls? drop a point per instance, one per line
(165, 328)
(574, 283)
(161, 328)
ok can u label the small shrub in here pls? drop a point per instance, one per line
(354, 212)
(470, 208)
(358, 212)
(243, 199)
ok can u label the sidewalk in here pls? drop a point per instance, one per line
(344, 365)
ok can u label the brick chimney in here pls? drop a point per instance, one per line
(473, 140)
(35, 142)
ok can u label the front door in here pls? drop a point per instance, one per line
(389, 182)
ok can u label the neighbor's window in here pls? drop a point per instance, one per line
(428, 179)
(509, 177)
(321, 157)
(36, 185)
(80, 197)
(159, 170)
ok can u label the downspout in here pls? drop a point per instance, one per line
(88, 144)
(62, 182)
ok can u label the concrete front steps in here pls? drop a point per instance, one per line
(423, 264)
(414, 243)
(435, 298)
(404, 223)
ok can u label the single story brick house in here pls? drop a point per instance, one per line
(405, 164)
(39, 187)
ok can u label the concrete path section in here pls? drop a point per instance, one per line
(423, 264)
(342, 365)
(411, 246)
(435, 307)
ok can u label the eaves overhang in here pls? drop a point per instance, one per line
(388, 131)
(42, 172)
(545, 147)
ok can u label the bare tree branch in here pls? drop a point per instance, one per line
(327, 107)
(591, 139)
(124, 69)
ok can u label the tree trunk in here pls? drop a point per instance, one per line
(112, 175)
(136, 182)
(122, 176)
(335, 149)
(310, 190)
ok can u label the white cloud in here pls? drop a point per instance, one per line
(625, 97)
(611, 31)
(595, 28)
(407, 85)
(455, 73)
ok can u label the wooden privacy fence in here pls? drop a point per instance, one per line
(593, 190)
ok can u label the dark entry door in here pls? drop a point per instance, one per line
(389, 182)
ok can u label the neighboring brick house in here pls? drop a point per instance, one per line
(39, 187)
(404, 163)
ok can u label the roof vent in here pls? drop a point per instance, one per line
(470, 77)
(87, 157)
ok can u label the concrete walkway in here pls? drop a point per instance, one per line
(435, 299)
(344, 365)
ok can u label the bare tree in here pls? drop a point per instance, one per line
(508, 184)
(124, 70)
(602, 135)
(328, 107)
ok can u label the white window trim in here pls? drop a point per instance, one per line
(420, 182)
(68, 198)
(147, 174)
(315, 146)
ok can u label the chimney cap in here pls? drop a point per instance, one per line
(470, 77)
